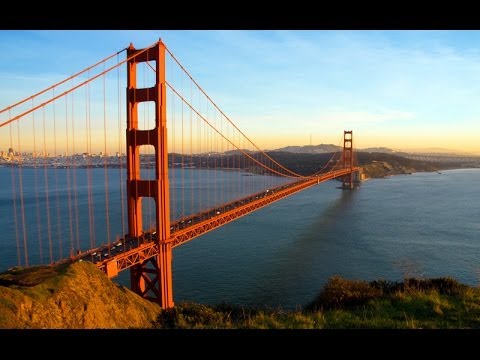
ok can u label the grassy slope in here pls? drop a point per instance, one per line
(70, 296)
(433, 303)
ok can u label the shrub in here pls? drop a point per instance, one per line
(444, 285)
(339, 292)
(191, 315)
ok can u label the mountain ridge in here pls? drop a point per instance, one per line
(326, 148)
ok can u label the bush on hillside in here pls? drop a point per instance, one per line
(340, 293)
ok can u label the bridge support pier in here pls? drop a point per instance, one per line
(152, 278)
(347, 182)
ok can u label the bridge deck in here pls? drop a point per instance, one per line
(136, 251)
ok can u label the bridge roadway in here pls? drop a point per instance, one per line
(130, 251)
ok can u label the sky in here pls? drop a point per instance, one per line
(396, 89)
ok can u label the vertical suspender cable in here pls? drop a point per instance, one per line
(14, 196)
(199, 181)
(192, 210)
(55, 170)
(89, 165)
(35, 188)
(22, 202)
(183, 160)
(105, 158)
(120, 156)
(47, 192)
(221, 154)
(206, 202)
(173, 199)
(69, 189)
(75, 188)
(232, 155)
(218, 199)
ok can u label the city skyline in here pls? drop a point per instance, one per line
(395, 89)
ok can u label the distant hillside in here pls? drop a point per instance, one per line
(377, 165)
(377, 150)
(328, 148)
(71, 296)
(437, 151)
(237, 152)
(374, 164)
(310, 149)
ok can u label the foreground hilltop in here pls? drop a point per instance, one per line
(78, 296)
(70, 296)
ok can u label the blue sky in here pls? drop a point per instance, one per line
(399, 89)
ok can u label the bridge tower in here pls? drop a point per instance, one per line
(347, 158)
(152, 278)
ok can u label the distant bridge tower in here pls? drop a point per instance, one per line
(347, 158)
(154, 275)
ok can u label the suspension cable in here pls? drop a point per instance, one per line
(90, 79)
(61, 82)
(226, 117)
(242, 151)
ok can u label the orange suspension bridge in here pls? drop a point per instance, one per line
(120, 179)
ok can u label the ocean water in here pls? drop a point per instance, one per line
(425, 224)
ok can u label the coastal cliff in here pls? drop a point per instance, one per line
(380, 165)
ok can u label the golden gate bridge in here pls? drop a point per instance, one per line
(83, 147)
